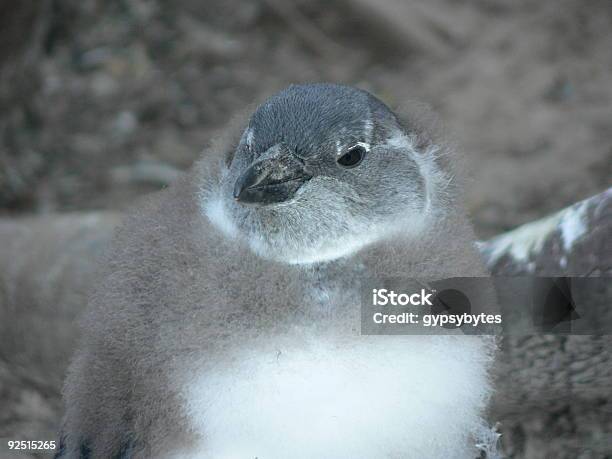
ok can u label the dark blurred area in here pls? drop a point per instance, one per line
(102, 101)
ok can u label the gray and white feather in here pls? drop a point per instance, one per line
(226, 320)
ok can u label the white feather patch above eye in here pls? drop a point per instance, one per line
(340, 150)
(366, 146)
(370, 397)
(250, 136)
(368, 128)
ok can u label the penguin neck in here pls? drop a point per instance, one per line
(444, 248)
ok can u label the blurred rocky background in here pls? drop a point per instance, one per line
(104, 100)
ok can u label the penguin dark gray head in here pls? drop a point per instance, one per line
(322, 170)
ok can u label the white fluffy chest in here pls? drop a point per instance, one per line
(367, 397)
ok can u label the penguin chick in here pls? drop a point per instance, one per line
(226, 320)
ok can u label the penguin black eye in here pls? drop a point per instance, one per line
(352, 157)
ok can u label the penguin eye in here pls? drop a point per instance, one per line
(352, 157)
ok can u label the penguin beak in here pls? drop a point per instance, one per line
(275, 177)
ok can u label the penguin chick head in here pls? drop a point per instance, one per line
(322, 170)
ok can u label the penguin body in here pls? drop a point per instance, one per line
(226, 323)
